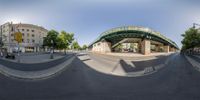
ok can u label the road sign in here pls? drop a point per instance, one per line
(18, 37)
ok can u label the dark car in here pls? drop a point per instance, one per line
(10, 56)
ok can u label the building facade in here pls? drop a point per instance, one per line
(32, 37)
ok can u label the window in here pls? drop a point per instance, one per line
(28, 40)
(27, 30)
(12, 35)
(33, 35)
(22, 29)
(22, 34)
(22, 40)
(27, 34)
(32, 30)
(33, 41)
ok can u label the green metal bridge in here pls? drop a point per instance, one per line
(117, 34)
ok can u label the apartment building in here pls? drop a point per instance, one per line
(32, 37)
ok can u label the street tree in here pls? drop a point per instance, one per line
(59, 43)
(75, 45)
(2, 40)
(51, 39)
(70, 38)
(66, 38)
(191, 39)
(84, 47)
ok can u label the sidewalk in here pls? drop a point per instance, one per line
(130, 56)
(35, 75)
(198, 56)
(35, 58)
(136, 54)
(124, 67)
(194, 61)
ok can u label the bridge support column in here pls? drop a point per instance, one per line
(106, 47)
(102, 47)
(173, 49)
(166, 48)
(158, 48)
(146, 47)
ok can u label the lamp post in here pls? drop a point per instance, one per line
(51, 55)
(1, 41)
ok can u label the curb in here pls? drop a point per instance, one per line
(194, 63)
(36, 75)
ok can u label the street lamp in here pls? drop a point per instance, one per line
(51, 55)
(1, 41)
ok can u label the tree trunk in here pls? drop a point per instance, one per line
(65, 51)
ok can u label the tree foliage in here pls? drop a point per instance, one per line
(2, 40)
(191, 39)
(60, 41)
(84, 47)
(75, 45)
(51, 37)
(66, 39)
(60, 44)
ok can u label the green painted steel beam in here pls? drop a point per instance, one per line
(133, 32)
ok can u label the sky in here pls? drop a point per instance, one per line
(87, 19)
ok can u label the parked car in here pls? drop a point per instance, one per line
(10, 56)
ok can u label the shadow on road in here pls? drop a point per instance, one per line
(141, 65)
(126, 67)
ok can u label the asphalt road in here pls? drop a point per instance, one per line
(112, 61)
(178, 80)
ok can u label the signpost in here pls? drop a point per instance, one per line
(18, 38)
